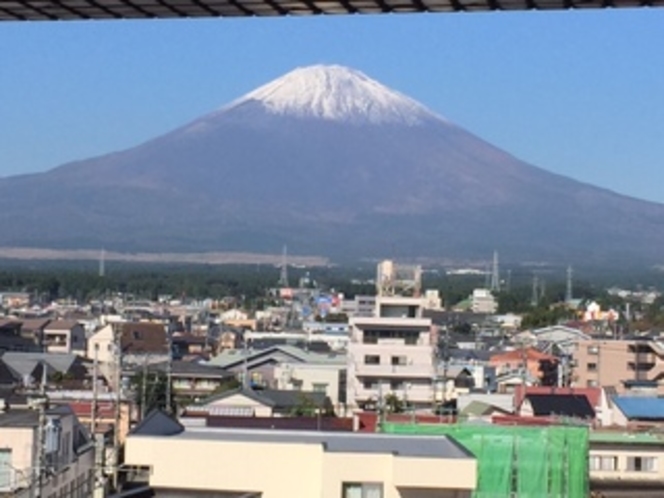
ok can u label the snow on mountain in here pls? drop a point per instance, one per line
(334, 93)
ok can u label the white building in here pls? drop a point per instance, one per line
(328, 378)
(482, 301)
(392, 352)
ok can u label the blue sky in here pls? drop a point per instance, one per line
(577, 93)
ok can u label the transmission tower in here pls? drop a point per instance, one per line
(495, 276)
(568, 290)
(534, 300)
(102, 263)
(283, 277)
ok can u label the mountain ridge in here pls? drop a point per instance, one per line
(327, 171)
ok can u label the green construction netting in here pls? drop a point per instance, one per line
(518, 462)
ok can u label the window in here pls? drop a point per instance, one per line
(594, 349)
(372, 359)
(399, 360)
(319, 388)
(591, 383)
(642, 464)
(5, 468)
(370, 384)
(397, 385)
(591, 367)
(604, 463)
(362, 490)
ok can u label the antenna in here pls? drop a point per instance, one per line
(283, 277)
(568, 290)
(495, 276)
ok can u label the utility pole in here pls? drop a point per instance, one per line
(117, 336)
(95, 381)
(169, 371)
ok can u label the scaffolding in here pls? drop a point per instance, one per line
(517, 461)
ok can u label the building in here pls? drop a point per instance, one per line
(392, 352)
(327, 378)
(245, 402)
(69, 454)
(528, 359)
(618, 362)
(64, 336)
(626, 464)
(296, 464)
(482, 301)
(260, 365)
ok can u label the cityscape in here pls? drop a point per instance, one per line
(340, 254)
(400, 389)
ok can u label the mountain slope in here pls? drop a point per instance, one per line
(333, 163)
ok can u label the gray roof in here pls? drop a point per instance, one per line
(281, 353)
(193, 369)
(275, 398)
(337, 442)
(25, 363)
(26, 417)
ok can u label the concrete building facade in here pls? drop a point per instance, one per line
(302, 464)
(393, 352)
(616, 362)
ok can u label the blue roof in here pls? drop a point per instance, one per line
(640, 407)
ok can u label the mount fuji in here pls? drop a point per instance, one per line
(329, 162)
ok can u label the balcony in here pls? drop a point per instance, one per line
(401, 371)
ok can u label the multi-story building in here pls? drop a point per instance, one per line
(482, 301)
(618, 363)
(64, 336)
(67, 459)
(392, 352)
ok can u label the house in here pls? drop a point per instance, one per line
(69, 460)
(327, 378)
(529, 358)
(574, 406)
(193, 380)
(12, 339)
(481, 411)
(638, 411)
(64, 336)
(296, 464)
(245, 402)
(564, 339)
(143, 343)
(101, 344)
(597, 397)
(260, 364)
(60, 368)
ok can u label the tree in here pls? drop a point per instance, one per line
(393, 404)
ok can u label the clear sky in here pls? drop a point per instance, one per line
(580, 93)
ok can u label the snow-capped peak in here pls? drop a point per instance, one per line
(335, 93)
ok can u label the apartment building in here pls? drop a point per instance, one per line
(68, 454)
(392, 352)
(618, 362)
(276, 463)
(626, 464)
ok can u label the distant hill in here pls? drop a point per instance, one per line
(331, 163)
